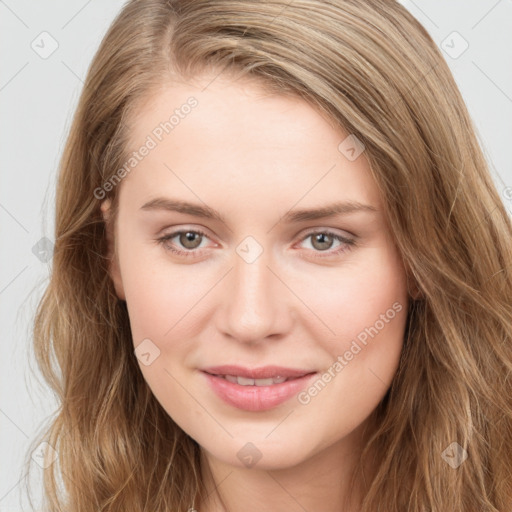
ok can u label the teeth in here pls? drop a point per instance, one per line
(278, 380)
(243, 381)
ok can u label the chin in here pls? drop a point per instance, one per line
(261, 455)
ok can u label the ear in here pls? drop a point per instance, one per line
(412, 287)
(114, 271)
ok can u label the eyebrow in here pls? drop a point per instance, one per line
(292, 216)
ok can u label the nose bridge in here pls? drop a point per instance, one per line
(254, 305)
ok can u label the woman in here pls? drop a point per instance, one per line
(282, 270)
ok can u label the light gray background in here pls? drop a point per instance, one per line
(37, 98)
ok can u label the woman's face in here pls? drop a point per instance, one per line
(276, 270)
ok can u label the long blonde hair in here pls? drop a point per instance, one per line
(375, 71)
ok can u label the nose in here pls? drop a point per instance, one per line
(255, 304)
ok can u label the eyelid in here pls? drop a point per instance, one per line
(304, 233)
(183, 227)
(172, 231)
(347, 242)
(179, 230)
(324, 229)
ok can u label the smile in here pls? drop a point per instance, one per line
(244, 381)
(254, 395)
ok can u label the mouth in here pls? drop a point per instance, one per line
(261, 376)
(257, 394)
(246, 381)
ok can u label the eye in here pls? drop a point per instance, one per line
(322, 241)
(189, 239)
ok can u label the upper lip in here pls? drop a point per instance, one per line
(263, 372)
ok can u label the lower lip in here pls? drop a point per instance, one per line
(256, 398)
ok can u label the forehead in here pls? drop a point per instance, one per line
(224, 102)
(217, 131)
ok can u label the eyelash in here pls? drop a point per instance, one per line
(349, 242)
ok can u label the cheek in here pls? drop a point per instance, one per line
(153, 290)
(165, 300)
(349, 299)
(159, 300)
(357, 295)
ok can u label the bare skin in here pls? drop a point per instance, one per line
(302, 303)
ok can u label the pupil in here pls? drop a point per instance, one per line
(323, 238)
(189, 239)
